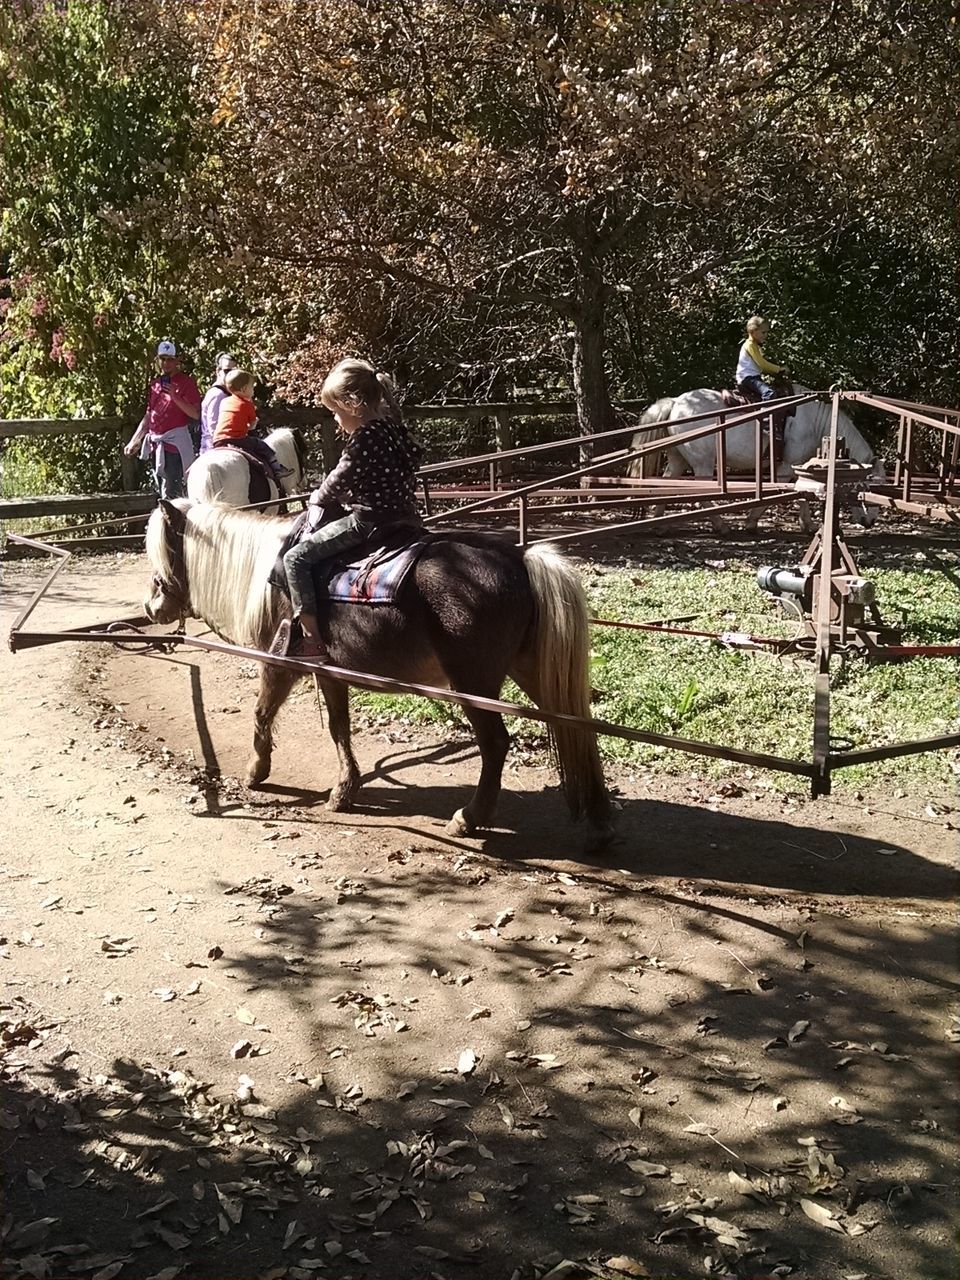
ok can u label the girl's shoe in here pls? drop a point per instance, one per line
(290, 642)
(312, 649)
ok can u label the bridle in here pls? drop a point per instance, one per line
(175, 587)
(172, 589)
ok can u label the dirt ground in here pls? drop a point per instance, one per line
(241, 1036)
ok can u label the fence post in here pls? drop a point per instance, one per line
(329, 449)
(128, 467)
(503, 439)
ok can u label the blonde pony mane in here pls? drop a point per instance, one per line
(228, 556)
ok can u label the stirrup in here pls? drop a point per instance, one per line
(286, 640)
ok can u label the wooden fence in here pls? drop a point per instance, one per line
(131, 500)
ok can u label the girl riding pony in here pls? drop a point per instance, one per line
(375, 478)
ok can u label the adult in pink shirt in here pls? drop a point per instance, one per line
(163, 435)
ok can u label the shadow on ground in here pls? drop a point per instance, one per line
(645, 1044)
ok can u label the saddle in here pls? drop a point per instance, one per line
(370, 574)
(743, 395)
(261, 476)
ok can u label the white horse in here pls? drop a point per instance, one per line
(223, 475)
(803, 433)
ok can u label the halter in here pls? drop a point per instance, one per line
(174, 587)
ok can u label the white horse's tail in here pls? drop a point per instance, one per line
(561, 676)
(651, 418)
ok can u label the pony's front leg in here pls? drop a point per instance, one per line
(275, 685)
(494, 742)
(337, 698)
(675, 469)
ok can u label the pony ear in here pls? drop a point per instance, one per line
(173, 517)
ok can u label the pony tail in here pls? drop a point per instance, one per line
(389, 391)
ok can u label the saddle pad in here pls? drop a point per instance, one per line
(375, 579)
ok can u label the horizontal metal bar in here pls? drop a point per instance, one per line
(901, 404)
(676, 518)
(844, 759)
(899, 409)
(931, 510)
(666, 628)
(380, 684)
(580, 440)
(713, 428)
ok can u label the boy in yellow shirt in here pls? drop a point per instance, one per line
(754, 371)
(759, 376)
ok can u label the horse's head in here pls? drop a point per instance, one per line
(169, 597)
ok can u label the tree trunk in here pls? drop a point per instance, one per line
(590, 386)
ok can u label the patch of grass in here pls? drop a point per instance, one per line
(697, 689)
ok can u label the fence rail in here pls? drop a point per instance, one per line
(130, 500)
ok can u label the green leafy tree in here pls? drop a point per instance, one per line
(485, 182)
(108, 236)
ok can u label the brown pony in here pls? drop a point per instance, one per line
(474, 610)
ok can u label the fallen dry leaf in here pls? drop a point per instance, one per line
(467, 1062)
(821, 1214)
(797, 1030)
(647, 1169)
(111, 1269)
(627, 1266)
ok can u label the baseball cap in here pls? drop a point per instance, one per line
(166, 348)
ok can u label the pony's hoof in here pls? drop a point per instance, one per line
(599, 839)
(340, 802)
(460, 825)
(257, 772)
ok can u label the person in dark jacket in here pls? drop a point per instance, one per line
(375, 479)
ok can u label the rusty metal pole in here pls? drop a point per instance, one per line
(722, 460)
(820, 785)
(758, 459)
(907, 458)
(954, 457)
(898, 464)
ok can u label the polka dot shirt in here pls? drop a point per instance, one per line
(376, 476)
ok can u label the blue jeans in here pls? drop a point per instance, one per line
(760, 388)
(329, 540)
(170, 483)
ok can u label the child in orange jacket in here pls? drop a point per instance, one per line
(237, 415)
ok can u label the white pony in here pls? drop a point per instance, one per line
(223, 475)
(803, 432)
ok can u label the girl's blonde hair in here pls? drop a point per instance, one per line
(757, 322)
(237, 379)
(355, 384)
